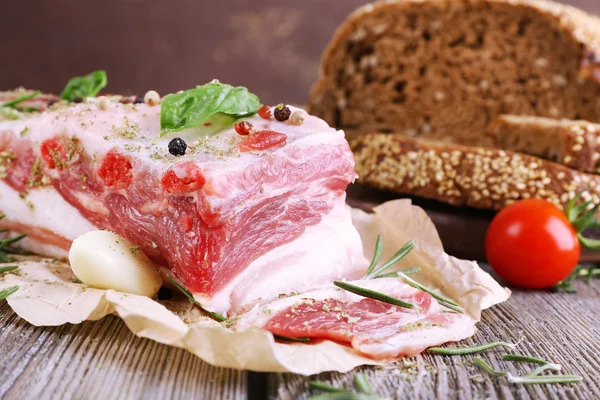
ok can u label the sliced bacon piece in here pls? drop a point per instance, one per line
(377, 329)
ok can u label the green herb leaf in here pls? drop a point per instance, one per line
(538, 380)
(372, 294)
(407, 271)
(570, 209)
(586, 220)
(193, 107)
(488, 368)
(292, 339)
(25, 97)
(460, 351)
(362, 383)
(325, 387)
(542, 368)
(526, 359)
(191, 298)
(529, 379)
(345, 396)
(6, 246)
(334, 393)
(376, 255)
(440, 298)
(8, 269)
(407, 248)
(8, 291)
(84, 86)
(592, 244)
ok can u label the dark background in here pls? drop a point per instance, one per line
(271, 46)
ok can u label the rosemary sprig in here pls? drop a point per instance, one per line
(527, 379)
(292, 339)
(407, 248)
(372, 294)
(487, 367)
(8, 268)
(460, 351)
(332, 392)
(325, 387)
(542, 368)
(8, 291)
(377, 255)
(452, 307)
(373, 273)
(407, 271)
(191, 298)
(6, 246)
(525, 359)
(437, 296)
(344, 396)
(25, 97)
(538, 380)
(580, 271)
(362, 383)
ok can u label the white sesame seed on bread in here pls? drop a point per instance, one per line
(465, 175)
(575, 144)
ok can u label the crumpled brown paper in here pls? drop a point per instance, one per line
(50, 294)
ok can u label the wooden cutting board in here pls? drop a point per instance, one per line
(462, 229)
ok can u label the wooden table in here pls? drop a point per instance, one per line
(103, 360)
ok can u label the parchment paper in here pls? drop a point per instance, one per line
(51, 295)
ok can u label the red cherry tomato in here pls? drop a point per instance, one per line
(532, 244)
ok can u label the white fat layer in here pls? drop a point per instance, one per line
(325, 252)
(43, 208)
(135, 130)
(41, 248)
(417, 340)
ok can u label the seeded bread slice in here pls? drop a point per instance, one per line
(575, 144)
(443, 69)
(465, 175)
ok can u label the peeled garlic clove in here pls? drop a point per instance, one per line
(105, 260)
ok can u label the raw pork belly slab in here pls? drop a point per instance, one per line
(374, 328)
(211, 217)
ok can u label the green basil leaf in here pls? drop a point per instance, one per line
(84, 86)
(194, 107)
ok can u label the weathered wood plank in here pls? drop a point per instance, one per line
(563, 328)
(103, 360)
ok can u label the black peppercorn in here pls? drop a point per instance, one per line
(77, 100)
(138, 99)
(51, 102)
(282, 113)
(177, 147)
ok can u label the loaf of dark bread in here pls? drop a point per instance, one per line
(465, 175)
(443, 69)
(575, 144)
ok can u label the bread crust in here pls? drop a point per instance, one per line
(464, 175)
(575, 144)
(332, 100)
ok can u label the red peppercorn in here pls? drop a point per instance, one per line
(243, 128)
(264, 112)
